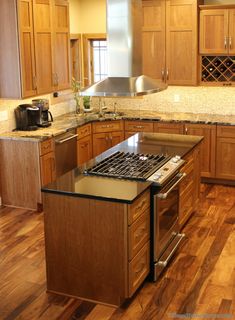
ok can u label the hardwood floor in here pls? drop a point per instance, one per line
(198, 284)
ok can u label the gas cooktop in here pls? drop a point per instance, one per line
(136, 166)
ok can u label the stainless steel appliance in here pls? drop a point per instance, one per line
(27, 117)
(163, 172)
(124, 30)
(66, 152)
(45, 118)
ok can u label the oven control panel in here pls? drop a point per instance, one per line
(167, 170)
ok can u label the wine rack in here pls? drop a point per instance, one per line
(218, 69)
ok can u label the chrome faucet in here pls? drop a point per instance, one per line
(102, 107)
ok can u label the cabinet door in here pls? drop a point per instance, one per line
(101, 142)
(47, 164)
(153, 39)
(214, 31)
(116, 137)
(84, 150)
(231, 40)
(207, 149)
(43, 45)
(169, 127)
(61, 44)
(181, 42)
(27, 54)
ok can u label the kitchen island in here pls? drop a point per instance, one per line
(97, 229)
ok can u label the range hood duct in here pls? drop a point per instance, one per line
(124, 37)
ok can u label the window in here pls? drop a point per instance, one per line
(94, 58)
(99, 60)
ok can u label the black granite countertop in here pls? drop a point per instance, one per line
(75, 183)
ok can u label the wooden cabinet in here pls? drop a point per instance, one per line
(84, 144)
(138, 241)
(207, 152)
(106, 135)
(225, 153)
(35, 50)
(133, 127)
(47, 161)
(217, 30)
(168, 127)
(189, 187)
(170, 40)
(154, 38)
(110, 246)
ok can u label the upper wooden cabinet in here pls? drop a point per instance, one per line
(170, 40)
(35, 52)
(217, 30)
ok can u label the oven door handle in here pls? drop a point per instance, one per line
(66, 139)
(165, 194)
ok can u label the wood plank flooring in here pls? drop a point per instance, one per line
(198, 284)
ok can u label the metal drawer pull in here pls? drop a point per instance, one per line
(225, 42)
(66, 139)
(165, 195)
(139, 127)
(165, 262)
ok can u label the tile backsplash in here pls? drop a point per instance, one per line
(212, 100)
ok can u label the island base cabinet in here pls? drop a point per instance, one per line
(86, 242)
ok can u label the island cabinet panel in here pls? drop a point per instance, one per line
(208, 146)
(106, 134)
(20, 173)
(167, 127)
(189, 187)
(91, 251)
(225, 153)
(84, 144)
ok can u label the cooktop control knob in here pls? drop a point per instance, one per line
(157, 176)
(175, 159)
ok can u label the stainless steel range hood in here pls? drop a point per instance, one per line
(124, 23)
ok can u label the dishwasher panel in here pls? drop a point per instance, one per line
(66, 152)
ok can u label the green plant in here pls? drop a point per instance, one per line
(76, 86)
(86, 102)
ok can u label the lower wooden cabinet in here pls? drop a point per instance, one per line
(47, 161)
(84, 144)
(225, 153)
(168, 127)
(106, 140)
(47, 166)
(208, 146)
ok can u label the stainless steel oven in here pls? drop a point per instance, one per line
(165, 228)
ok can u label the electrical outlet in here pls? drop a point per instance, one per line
(3, 115)
(176, 98)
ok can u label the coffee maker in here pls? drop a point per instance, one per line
(27, 117)
(45, 118)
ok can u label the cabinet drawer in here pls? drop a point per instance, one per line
(139, 233)
(138, 206)
(46, 146)
(139, 126)
(139, 268)
(226, 131)
(84, 131)
(107, 126)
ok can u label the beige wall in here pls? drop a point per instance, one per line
(87, 16)
(74, 12)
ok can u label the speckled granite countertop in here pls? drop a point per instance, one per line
(71, 121)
